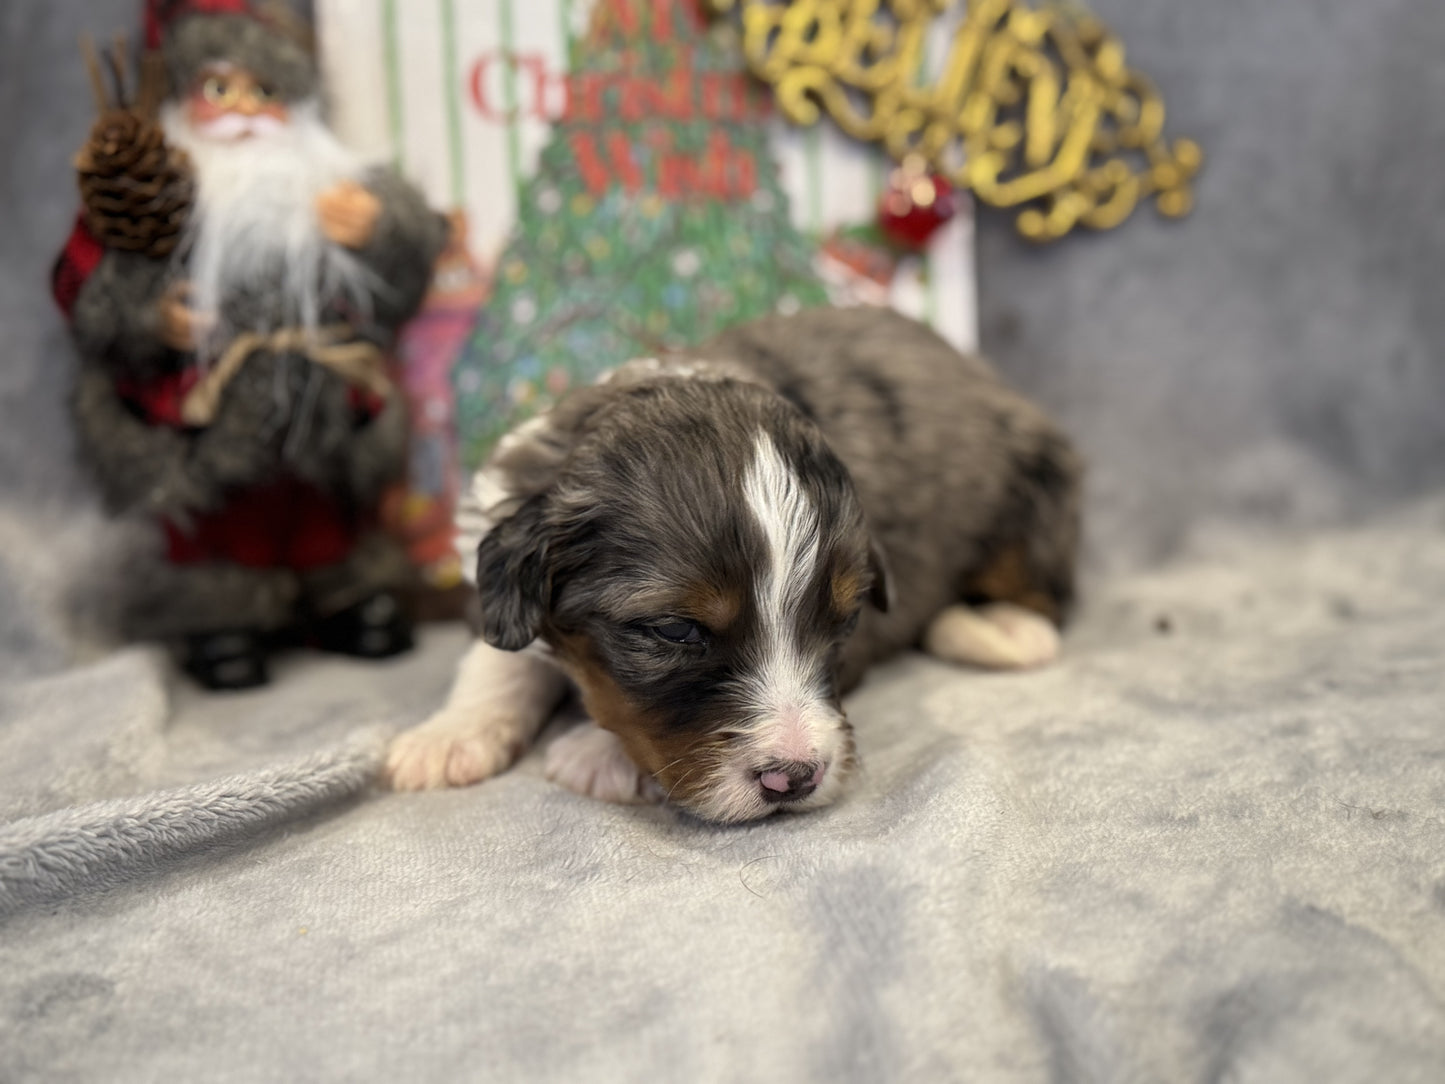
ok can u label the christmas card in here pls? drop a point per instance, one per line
(620, 186)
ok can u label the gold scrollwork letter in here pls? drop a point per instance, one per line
(1034, 108)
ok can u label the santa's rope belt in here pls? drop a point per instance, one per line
(357, 361)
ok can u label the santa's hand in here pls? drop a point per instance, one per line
(348, 214)
(181, 325)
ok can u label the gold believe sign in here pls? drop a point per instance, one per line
(1034, 108)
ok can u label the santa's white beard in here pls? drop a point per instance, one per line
(254, 230)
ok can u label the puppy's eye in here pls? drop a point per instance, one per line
(677, 631)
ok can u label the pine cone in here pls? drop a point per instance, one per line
(137, 189)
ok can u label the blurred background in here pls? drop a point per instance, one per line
(1272, 358)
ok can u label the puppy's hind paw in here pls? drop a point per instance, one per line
(591, 761)
(999, 636)
(449, 751)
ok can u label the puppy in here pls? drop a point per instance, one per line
(712, 548)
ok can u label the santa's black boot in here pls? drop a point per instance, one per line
(373, 629)
(219, 616)
(226, 661)
(356, 605)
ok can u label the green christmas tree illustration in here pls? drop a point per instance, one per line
(654, 220)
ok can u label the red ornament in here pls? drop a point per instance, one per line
(915, 204)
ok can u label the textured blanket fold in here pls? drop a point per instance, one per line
(79, 851)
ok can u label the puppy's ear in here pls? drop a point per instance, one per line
(512, 577)
(880, 593)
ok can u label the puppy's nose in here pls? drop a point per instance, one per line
(790, 781)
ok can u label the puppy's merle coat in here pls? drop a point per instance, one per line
(714, 547)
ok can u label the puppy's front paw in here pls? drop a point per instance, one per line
(591, 761)
(1000, 636)
(450, 750)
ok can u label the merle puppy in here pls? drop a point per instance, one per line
(711, 548)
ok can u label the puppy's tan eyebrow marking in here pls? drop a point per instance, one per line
(846, 587)
(714, 606)
(717, 607)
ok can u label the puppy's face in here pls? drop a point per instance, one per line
(697, 566)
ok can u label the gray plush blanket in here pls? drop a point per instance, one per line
(1208, 845)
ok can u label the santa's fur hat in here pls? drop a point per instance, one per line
(268, 40)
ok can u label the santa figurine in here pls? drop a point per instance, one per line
(238, 388)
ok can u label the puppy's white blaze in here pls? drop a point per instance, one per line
(793, 719)
(789, 524)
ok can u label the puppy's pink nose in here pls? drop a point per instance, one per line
(791, 781)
